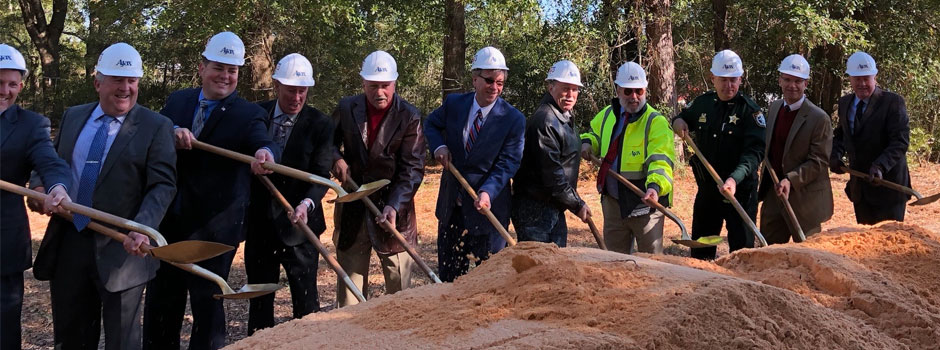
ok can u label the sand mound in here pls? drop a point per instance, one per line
(875, 289)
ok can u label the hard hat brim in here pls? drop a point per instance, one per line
(120, 73)
(794, 73)
(632, 86)
(726, 75)
(229, 61)
(853, 73)
(572, 82)
(296, 82)
(379, 77)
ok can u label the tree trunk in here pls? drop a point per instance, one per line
(622, 45)
(259, 41)
(662, 71)
(455, 48)
(825, 85)
(720, 25)
(45, 37)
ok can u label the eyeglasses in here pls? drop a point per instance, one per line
(491, 81)
(637, 91)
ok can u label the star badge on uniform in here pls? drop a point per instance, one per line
(733, 119)
(759, 119)
(702, 118)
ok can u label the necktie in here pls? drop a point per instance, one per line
(612, 153)
(200, 120)
(475, 130)
(86, 184)
(283, 125)
(859, 111)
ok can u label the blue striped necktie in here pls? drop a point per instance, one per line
(86, 184)
(199, 120)
(475, 130)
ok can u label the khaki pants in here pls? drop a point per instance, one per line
(355, 261)
(620, 233)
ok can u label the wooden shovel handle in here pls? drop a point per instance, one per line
(791, 215)
(883, 182)
(597, 234)
(486, 211)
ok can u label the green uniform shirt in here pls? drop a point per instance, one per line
(730, 135)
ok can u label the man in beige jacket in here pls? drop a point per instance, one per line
(799, 140)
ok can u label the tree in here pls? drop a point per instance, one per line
(45, 36)
(455, 47)
(662, 69)
(720, 25)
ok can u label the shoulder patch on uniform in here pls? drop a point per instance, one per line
(759, 119)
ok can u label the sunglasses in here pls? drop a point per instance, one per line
(491, 81)
(637, 91)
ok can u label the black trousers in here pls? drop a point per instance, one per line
(11, 311)
(264, 256)
(456, 248)
(711, 210)
(80, 302)
(166, 305)
(867, 214)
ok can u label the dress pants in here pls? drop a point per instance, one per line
(711, 210)
(539, 221)
(397, 268)
(166, 305)
(456, 248)
(264, 255)
(620, 234)
(867, 214)
(11, 311)
(775, 224)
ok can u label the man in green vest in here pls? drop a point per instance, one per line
(635, 140)
(728, 128)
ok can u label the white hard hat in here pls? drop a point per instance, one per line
(795, 65)
(120, 60)
(860, 64)
(489, 58)
(379, 66)
(631, 75)
(225, 48)
(566, 72)
(294, 70)
(10, 58)
(727, 64)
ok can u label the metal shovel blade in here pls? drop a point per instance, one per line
(926, 200)
(188, 252)
(702, 242)
(251, 291)
(363, 191)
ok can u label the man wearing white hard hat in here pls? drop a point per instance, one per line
(547, 181)
(213, 193)
(635, 140)
(24, 145)
(378, 136)
(728, 128)
(799, 138)
(304, 137)
(873, 135)
(482, 135)
(122, 162)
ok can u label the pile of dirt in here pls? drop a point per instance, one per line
(874, 289)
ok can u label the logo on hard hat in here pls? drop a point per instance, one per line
(381, 69)
(572, 74)
(123, 63)
(227, 51)
(493, 59)
(862, 66)
(552, 70)
(793, 66)
(729, 66)
(300, 74)
(6, 58)
(633, 77)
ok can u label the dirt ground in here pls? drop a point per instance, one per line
(37, 315)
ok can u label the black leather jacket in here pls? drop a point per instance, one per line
(550, 160)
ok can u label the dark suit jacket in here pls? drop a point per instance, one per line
(805, 163)
(881, 138)
(494, 159)
(213, 190)
(24, 145)
(309, 148)
(397, 154)
(137, 181)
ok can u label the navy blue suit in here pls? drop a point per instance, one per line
(24, 145)
(493, 160)
(210, 204)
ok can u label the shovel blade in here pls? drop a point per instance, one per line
(189, 252)
(363, 191)
(251, 291)
(926, 200)
(702, 242)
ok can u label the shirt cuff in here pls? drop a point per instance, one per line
(49, 190)
(438, 147)
(310, 204)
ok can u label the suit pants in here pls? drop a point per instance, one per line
(456, 248)
(621, 233)
(867, 214)
(396, 268)
(775, 222)
(539, 221)
(80, 300)
(264, 256)
(711, 210)
(11, 311)
(166, 305)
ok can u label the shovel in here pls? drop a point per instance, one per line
(734, 202)
(921, 200)
(313, 239)
(791, 216)
(341, 195)
(685, 239)
(597, 234)
(486, 211)
(398, 236)
(184, 252)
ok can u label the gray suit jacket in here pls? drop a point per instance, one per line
(805, 163)
(137, 181)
